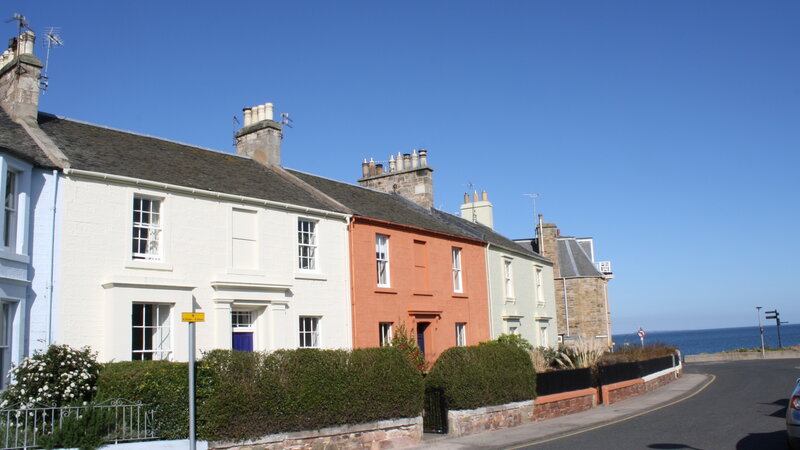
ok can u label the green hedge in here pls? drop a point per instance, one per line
(488, 374)
(162, 385)
(246, 395)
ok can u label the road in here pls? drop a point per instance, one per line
(743, 408)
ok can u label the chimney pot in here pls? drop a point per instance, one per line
(475, 196)
(261, 113)
(400, 165)
(423, 157)
(378, 169)
(364, 168)
(248, 116)
(414, 160)
(268, 111)
(407, 160)
(466, 198)
(485, 196)
(392, 165)
(371, 167)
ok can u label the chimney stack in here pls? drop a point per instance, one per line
(407, 174)
(20, 72)
(480, 211)
(260, 137)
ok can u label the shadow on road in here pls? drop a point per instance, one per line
(670, 445)
(783, 403)
(760, 441)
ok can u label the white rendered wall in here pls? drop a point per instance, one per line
(99, 281)
(524, 309)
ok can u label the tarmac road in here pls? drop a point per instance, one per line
(738, 405)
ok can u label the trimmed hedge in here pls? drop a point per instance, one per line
(491, 373)
(244, 395)
(161, 385)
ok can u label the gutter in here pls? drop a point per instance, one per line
(202, 192)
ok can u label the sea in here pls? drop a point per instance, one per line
(692, 342)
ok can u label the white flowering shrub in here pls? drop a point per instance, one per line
(60, 376)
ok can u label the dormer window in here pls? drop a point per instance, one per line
(146, 228)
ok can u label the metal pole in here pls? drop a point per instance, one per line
(192, 437)
(778, 326)
(761, 330)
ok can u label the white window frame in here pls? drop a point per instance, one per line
(309, 326)
(161, 329)
(508, 279)
(458, 282)
(537, 275)
(382, 260)
(310, 245)
(385, 333)
(6, 325)
(239, 326)
(543, 336)
(153, 232)
(10, 208)
(461, 334)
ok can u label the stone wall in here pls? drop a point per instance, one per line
(472, 421)
(564, 403)
(616, 392)
(414, 184)
(393, 433)
(587, 310)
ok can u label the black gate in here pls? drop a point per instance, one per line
(434, 418)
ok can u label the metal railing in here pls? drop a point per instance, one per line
(25, 427)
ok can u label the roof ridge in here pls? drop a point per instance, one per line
(135, 133)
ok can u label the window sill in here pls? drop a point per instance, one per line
(460, 295)
(423, 293)
(381, 290)
(148, 265)
(310, 276)
(11, 256)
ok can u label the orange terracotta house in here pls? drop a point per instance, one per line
(411, 264)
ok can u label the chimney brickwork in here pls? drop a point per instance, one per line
(547, 237)
(407, 175)
(20, 72)
(260, 137)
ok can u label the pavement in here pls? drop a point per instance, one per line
(681, 389)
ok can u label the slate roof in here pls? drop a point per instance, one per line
(16, 141)
(105, 150)
(573, 261)
(394, 208)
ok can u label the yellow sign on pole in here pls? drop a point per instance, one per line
(193, 317)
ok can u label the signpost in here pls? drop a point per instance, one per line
(192, 318)
(641, 334)
(761, 330)
(777, 316)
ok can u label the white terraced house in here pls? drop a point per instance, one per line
(146, 229)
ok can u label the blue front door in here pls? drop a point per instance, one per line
(243, 342)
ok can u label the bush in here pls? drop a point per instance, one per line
(488, 374)
(243, 395)
(516, 340)
(403, 340)
(87, 428)
(633, 353)
(161, 385)
(60, 376)
(246, 395)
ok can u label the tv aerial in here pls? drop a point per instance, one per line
(52, 39)
(286, 120)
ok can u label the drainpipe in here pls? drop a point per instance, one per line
(566, 303)
(52, 260)
(489, 292)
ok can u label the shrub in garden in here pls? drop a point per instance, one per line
(633, 353)
(403, 340)
(580, 354)
(488, 374)
(516, 340)
(59, 376)
(247, 395)
(161, 385)
(86, 428)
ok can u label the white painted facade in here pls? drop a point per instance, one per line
(217, 254)
(521, 297)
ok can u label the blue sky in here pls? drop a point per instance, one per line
(666, 130)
